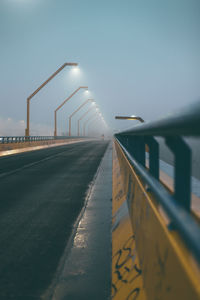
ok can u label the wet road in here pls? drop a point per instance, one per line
(42, 193)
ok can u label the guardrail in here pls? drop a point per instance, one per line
(23, 139)
(177, 239)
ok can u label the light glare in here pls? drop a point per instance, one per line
(75, 70)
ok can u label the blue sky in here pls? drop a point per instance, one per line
(137, 57)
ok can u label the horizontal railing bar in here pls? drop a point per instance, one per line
(181, 219)
(186, 123)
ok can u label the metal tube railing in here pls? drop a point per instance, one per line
(185, 123)
(172, 129)
(179, 216)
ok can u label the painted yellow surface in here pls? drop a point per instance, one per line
(127, 280)
(168, 269)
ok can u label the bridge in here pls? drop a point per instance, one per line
(99, 160)
(86, 217)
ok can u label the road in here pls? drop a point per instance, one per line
(42, 193)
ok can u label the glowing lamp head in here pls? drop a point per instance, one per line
(75, 70)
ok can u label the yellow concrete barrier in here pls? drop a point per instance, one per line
(149, 260)
(127, 280)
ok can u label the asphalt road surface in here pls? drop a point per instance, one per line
(42, 193)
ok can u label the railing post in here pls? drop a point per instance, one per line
(182, 184)
(136, 147)
(153, 156)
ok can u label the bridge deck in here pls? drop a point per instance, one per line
(42, 194)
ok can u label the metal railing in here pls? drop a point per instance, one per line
(23, 139)
(177, 206)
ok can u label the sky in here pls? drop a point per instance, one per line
(138, 57)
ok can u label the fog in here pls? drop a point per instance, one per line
(137, 57)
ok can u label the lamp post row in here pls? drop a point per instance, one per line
(66, 100)
(87, 121)
(27, 130)
(91, 118)
(95, 122)
(87, 112)
(70, 117)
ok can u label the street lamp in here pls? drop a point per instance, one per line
(27, 130)
(82, 118)
(89, 119)
(89, 100)
(55, 112)
(96, 121)
(129, 118)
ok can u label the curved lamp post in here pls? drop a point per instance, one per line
(100, 119)
(91, 124)
(55, 112)
(89, 119)
(27, 130)
(129, 118)
(82, 118)
(70, 117)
